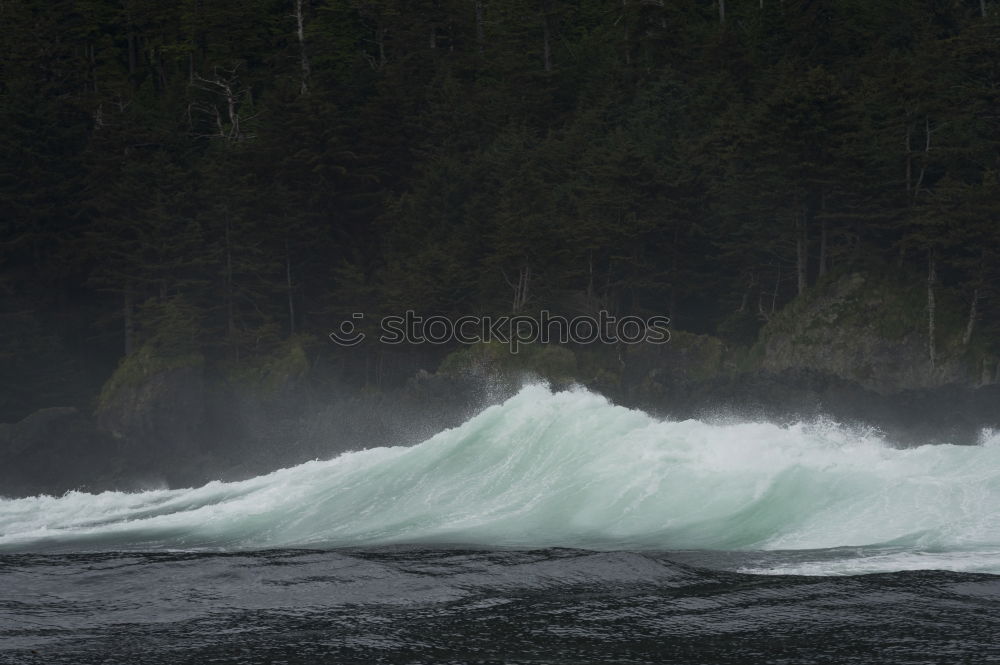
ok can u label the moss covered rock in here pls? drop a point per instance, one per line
(275, 373)
(154, 401)
(872, 330)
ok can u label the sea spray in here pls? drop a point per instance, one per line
(565, 469)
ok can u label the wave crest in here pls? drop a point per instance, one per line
(564, 469)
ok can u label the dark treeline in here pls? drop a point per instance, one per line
(219, 177)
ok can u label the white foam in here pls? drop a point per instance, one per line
(570, 469)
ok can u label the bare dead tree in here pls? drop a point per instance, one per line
(765, 313)
(232, 96)
(974, 306)
(751, 282)
(520, 287)
(973, 315)
(300, 33)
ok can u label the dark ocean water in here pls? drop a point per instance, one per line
(410, 605)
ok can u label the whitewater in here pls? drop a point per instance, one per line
(569, 469)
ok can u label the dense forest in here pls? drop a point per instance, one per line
(218, 178)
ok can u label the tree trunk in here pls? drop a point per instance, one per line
(674, 271)
(480, 32)
(161, 71)
(131, 55)
(982, 8)
(230, 313)
(927, 151)
(722, 11)
(129, 321)
(93, 66)
(974, 307)
(931, 280)
(909, 158)
(972, 318)
(520, 288)
(130, 43)
(547, 48)
(301, 34)
(774, 295)
(822, 248)
(524, 281)
(801, 253)
(381, 47)
(288, 285)
(752, 282)
(591, 305)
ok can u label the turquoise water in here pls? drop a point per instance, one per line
(569, 469)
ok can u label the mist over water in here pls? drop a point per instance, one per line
(569, 469)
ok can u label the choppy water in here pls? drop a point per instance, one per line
(553, 528)
(459, 606)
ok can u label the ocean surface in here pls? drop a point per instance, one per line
(553, 528)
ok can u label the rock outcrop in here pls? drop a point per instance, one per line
(873, 330)
(154, 408)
